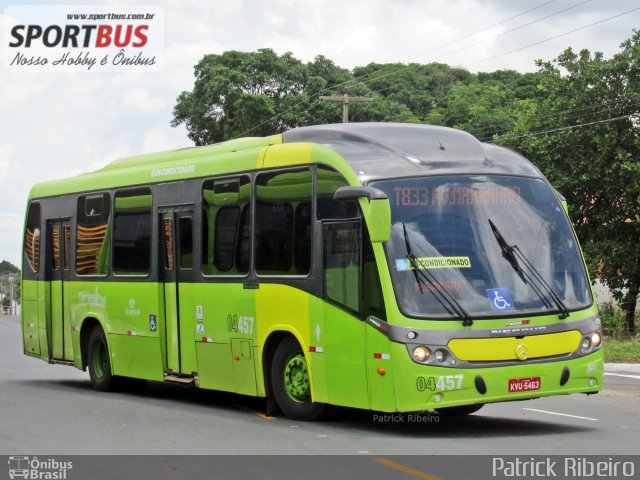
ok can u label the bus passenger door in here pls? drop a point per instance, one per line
(57, 265)
(176, 267)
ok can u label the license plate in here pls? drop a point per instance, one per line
(524, 384)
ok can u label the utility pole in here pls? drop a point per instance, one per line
(345, 99)
(11, 306)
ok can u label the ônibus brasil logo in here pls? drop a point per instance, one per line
(90, 38)
(40, 469)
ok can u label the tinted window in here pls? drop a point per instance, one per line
(243, 254)
(92, 252)
(67, 247)
(449, 221)
(225, 238)
(341, 248)
(132, 232)
(225, 226)
(302, 238)
(279, 195)
(32, 237)
(55, 234)
(185, 234)
(328, 208)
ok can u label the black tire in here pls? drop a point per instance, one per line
(298, 406)
(99, 363)
(459, 411)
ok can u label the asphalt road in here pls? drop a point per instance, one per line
(52, 410)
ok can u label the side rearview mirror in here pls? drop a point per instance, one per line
(377, 212)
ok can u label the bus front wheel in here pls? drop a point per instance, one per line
(290, 382)
(99, 362)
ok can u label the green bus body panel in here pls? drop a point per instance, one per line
(353, 365)
(216, 366)
(170, 327)
(60, 321)
(345, 358)
(30, 318)
(136, 356)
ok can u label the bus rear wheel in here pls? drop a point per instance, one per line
(290, 382)
(99, 362)
(459, 411)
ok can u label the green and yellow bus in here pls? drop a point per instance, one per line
(389, 267)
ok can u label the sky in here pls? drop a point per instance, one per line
(59, 124)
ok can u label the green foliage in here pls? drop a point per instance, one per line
(8, 267)
(261, 93)
(613, 320)
(597, 168)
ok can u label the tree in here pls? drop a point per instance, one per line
(8, 267)
(255, 93)
(262, 93)
(596, 166)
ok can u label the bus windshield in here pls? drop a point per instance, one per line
(454, 229)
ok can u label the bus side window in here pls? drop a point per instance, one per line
(342, 256)
(225, 233)
(340, 285)
(281, 217)
(372, 299)
(92, 242)
(185, 245)
(32, 238)
(132, 232)
(225, 237)
(328, 181)
(243, 250)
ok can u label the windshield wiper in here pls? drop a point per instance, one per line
(447, 301)
(532, 276)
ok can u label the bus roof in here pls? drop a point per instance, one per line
(383, 150)
(371, 150)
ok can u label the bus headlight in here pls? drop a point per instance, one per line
(596, 338)
(440, 355)
(586, 344)
(421, 354)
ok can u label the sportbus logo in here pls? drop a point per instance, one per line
(33, 468)
(89, 38)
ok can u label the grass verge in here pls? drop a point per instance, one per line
(622, 351)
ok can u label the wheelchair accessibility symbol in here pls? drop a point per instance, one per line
(500, 299)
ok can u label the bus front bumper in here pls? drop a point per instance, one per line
(422, 387)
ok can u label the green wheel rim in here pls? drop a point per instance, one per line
(296, 379)
(99, 360)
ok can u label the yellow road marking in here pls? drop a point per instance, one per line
(250, 410)
(265, 416)
(408, 470)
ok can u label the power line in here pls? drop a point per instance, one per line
(554, 37)
(333, 87)
(544, 40)
(570, 127)
(312, 102)
(482, 41)
(566, 115)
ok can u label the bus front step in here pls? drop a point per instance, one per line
(176, 379)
